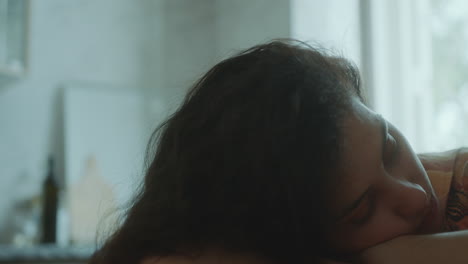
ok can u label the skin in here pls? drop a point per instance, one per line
(383, 190)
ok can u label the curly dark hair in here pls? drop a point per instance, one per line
(243, 163)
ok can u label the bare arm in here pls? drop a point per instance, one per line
(451, 247)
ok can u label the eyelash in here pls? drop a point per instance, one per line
(368, 215)
(370, 200)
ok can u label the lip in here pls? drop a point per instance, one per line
(429, 221)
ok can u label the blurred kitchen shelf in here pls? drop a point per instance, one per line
(44, 254)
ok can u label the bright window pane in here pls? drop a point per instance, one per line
(449, 29)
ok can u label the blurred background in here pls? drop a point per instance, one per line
(83, 84)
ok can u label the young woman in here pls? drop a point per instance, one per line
(274, 157)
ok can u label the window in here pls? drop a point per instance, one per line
(416, 68)
(449, 30)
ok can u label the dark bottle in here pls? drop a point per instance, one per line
(50, 205)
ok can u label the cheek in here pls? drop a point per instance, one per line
(382, 227)
(398, 211)
(410, 166)
(411, 169)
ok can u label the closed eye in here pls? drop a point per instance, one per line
(360, 215)
(362, 210)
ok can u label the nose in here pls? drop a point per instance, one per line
(406, 199)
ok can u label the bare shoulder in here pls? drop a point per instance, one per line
(448, 247)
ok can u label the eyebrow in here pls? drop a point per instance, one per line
(384, 136)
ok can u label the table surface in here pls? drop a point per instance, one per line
(44, 253)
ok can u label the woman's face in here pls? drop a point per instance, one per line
(382, 190)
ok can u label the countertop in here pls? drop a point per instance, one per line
(44, 253)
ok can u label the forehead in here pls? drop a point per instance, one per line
(361, 131)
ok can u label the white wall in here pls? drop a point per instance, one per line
(189, 45)
(335, 24)
(198, 34)
(102, 41)
(243, 23)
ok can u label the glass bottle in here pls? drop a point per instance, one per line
(50, 205)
